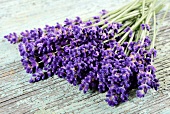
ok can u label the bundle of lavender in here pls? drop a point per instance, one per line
(111, 52)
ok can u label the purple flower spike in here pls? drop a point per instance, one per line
(140, 93)
(58, 26)
(98, 20)
(127, 29)
(142, 26)
(147, 41)
(148, 27)
(102, 87)
(130, 33)
(84, 86)
(105, 22)
(78, 20)
(111, 99)
(119, 25)
(154, 53)
(88, 23)
(89, 56)
(32, 80)
(12, 38)
(68, 21)
(96, 17)
(103, 12)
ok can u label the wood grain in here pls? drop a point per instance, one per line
(55, 95)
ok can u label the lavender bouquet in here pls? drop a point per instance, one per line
(111, 52)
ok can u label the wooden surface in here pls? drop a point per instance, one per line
(54, 95)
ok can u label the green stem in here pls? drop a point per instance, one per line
(119, 14)
(123, 13)
(111, 14)
(128, 23)
(133, 27)
(143, 33)
(163, 18)
(154, 31)
(125, 25)
(128, 16)
(143, 6)
(147, 22)
(127, 51)
(135, 12)
(138, 35)
(153, 8)
(118, 10)
(123, 18)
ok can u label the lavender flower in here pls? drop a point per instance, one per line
(147, 27)
(103, 12)
(91, 55)
(12, 38)
(127, 29)
(143, 26)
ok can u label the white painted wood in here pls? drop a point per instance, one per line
(55, 95)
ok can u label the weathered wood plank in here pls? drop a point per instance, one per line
(54, 94)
